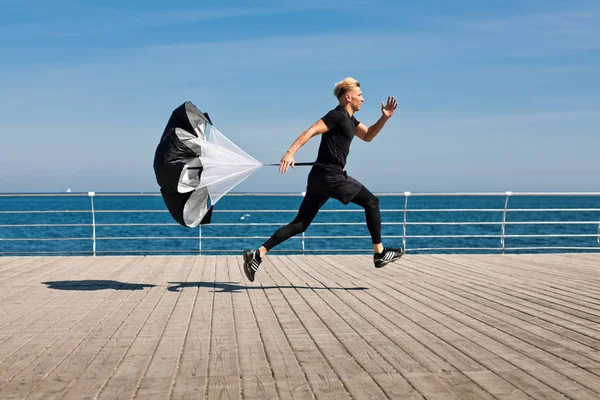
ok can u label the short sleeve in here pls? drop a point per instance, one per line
(332, 119)
(355, 121)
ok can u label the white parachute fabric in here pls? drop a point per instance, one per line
(196, 207)
(224, 164)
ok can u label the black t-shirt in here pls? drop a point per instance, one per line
(335, 143)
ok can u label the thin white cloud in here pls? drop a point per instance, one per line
(95, 19)
(531, 35)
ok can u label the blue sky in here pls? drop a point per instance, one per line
(493, 96)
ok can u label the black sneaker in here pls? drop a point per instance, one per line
(387, 256)
(251, 262)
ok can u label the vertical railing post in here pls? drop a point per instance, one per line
(406, 196)
(599, 233)
(200, 239)
(504, 221)
(303, 236)
(91, 195)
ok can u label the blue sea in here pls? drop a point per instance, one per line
(140, 224)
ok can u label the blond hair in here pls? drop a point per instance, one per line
(342, 87)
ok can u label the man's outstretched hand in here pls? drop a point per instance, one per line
(390, 108)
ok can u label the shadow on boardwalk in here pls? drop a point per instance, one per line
(219, 287)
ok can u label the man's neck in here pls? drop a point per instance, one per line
(348, 108)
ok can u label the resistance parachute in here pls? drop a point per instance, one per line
(195, 165)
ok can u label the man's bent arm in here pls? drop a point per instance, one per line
(317, 128)
(368, 134)
(287, 160)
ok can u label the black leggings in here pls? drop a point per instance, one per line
(311, 205)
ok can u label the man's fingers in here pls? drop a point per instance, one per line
(284, 165)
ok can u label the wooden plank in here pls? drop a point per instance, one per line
(223, 366)
(290, 380)
(26, 338)
(355, 335)
(255, 371)
(192, 374)
(23, 297)
(533, 330)
(448, 342)
(34, 293)
(356, 379)
(131, 369)
(100, 304)
(105, 363)
(36, 269)
(564, 317)
(539, 285)
(108, 319)
(8, 265)
(505, 305)
(540, 364)
(323, 380)
(159, 378)
(377, 312)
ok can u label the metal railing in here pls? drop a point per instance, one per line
(494, 230)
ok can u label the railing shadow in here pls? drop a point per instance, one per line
(229, 287)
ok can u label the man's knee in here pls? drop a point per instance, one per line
(373, 202)
(299, 226)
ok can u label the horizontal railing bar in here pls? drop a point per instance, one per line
(485, 194)
(552, 248)
(313, 224)
(421, 210)
(48, 252)
(166, 211)
(498, 236)
(451, 236)
(549, 235)
(46, 212)
(550, 209)
(142, 224)
(497, 210)
(297, 194)
(551, 223)
(499, 248)
(196, 251)
(497, 223)
(41, 225)
(41, 239)
(452, 248)
(554, 235)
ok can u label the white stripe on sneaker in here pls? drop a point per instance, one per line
(254, 265)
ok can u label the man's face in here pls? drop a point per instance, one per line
(355, 98)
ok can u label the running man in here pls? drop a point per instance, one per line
(327, 178)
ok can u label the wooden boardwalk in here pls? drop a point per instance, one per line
(426, 327)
